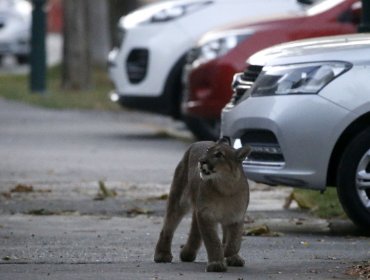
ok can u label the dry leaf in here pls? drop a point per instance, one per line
(360, 270)
(104, 192)
(40, 212)
(261, 230)
(20, 188)
(305, 243)
(7, 195)
(138, 211)
(161, 197)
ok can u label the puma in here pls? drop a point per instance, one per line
(210, 180)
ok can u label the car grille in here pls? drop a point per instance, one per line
(265, 148)
(242, 82)
(136, 65)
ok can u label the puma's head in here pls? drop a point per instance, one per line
(221, 160)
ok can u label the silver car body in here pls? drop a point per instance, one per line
(307, 127)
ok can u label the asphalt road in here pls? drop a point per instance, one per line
(72, 146)
(63, 229)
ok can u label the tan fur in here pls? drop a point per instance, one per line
(210, 180)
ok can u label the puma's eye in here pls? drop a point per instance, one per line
(218, 154)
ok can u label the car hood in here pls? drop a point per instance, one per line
(354, 48)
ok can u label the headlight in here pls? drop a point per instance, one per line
(216, 48)
(297, 79)
(174, 12)
(161, 12)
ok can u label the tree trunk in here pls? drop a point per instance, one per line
(99, 31)
(76, 68)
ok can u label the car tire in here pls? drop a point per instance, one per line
(353, 175)
(203, 129)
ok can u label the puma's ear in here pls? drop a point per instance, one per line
(243, 152)
(223, 140)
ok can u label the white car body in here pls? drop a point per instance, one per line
(15, 28)
(167, 43)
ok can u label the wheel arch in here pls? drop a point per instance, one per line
(173, 87)
(348, 134)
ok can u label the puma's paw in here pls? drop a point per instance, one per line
(216, 267)
(187, 255)
(163, 257)
(235, 260)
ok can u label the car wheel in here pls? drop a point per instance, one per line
(203, 129)
(354, 180)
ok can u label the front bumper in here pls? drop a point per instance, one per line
(305, 129)
(15, 46)
(156, 49)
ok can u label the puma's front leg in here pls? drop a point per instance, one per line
(215, 252)
(234, 234)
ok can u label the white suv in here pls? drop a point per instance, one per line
(304, 108)
(146, 65)
(15, 29)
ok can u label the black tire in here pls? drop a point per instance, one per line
(203, 129)
(354, 163)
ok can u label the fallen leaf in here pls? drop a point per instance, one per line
(7, 195)
(20, 188)
(104, 192)
(305, 243)
(257, 230)
(138, 211)
(161, 197)
(360, 270)
(261, 230)
(45, 212)
(40, 212)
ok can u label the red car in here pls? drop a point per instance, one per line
(220, 54)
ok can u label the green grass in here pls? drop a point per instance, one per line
(16, 87)
(324, 205)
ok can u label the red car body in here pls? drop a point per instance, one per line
(209, 84)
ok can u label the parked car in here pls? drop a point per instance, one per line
(304, 108)
(15, 29)
(220, 54)
(146, 64)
